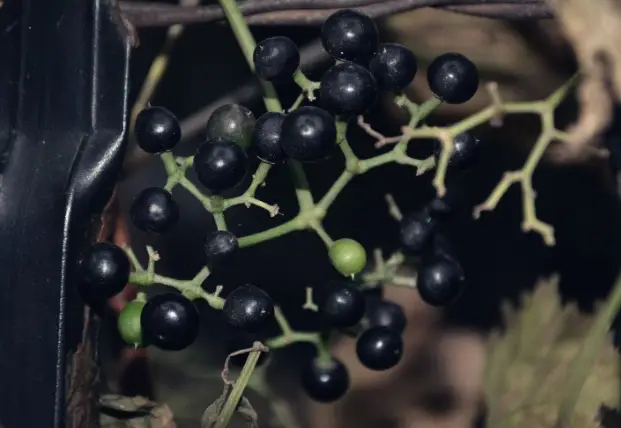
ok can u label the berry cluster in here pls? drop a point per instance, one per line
(310, 133)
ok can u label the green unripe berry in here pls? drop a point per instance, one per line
(128, 323)
(348, 256)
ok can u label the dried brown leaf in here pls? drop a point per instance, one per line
(119, 411)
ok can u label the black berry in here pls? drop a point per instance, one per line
(453, 78)
(347, 89)
(394, 66)
(349, 35)
(248, 308)
(220, 165)
(220, 247)
(452, 200)
(154, 210)
(387, 314)
(170, 322)
(231, 122)
(276, 58)
(308, 134)
(157, 130)
(325, 382)
(103, 271)
(379, 348)
(417, 230)
(344, 305)
(440, 280)
(266, 137)
(465, 147)
(240, 342)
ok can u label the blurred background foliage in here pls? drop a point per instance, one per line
(439, 383)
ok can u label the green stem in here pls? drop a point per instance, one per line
(334, 190)
(247, 43)
(230, 406)
(424, 110)
(306, 85)
(275, 232)
(302, 188)
(220, 220)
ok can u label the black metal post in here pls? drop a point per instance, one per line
(63, 105)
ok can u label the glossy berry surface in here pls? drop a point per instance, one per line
(220, 247)
(453, 78)
(387, 314)
(128, 323)
(266, 137)
(248, 308)
(347, 89)
(103, 271)
(325, 382)
(157, 130)
(379, 348)
(440, 280)
(170, 322)
(347, 256)
(220, 165)
(154, 210)
(308, 134)
(344, 305)
(417, 230)
(394, 66)
(231, 122)
(350, 36)
(276, 58)
(465, 148)
(244, 341)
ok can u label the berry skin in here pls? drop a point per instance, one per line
(379, 348)
(347, 89)
(440, 280)
(387, 314)
(308, 134)
(465, 147)
(244, 341)
(348, 256)
(220, 165)
(325, 382)
(154, 210)
(103, 271)
(231, 122)
(344, 305)
(157, 130)
(248, 308)
(128, 323)
(350, 36)
(220, 246)
(394, 66)
(276, 58)
(417, 230)
(453, 78)
(170, 322)
(266, 137)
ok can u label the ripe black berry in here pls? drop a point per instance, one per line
(157, 130)
(387, 314)
(276, 58)
(349, 35)
(347, 89)
(394, 66)
(103, 271)
(417, 230)
(343, 306)
(231, 122)
(379, 348)
(170, 322)
(453, 78)
(244, 341)
(220, 246)
(465, 147)
(154, 210)
(325, 382)
(266, 137)
(452, 200)
(248, 308)
(440, 280)
(220, 164)
(308, 134)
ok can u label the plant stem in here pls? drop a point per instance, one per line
(220, 220)
(302, 188)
